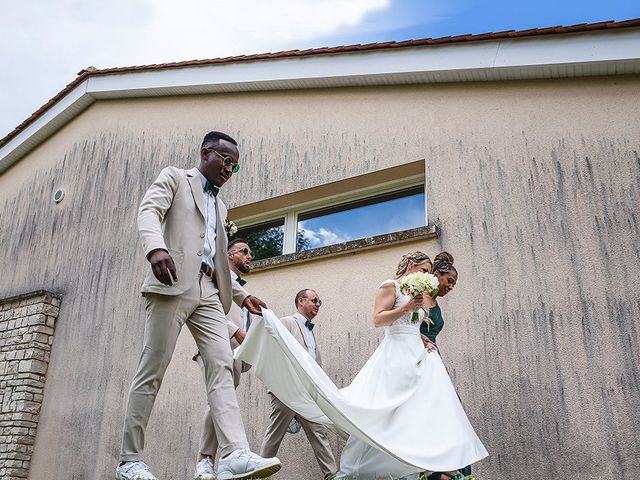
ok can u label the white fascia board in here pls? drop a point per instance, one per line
(45, 125)
(604, 46)
(599, 53)
(355, 67)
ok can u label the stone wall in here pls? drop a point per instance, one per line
(26, 335)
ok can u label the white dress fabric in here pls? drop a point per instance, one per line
(401, 414)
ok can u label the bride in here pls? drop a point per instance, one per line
(380, 411)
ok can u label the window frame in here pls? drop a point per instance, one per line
(290, 214)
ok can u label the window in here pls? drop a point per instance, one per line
(376, 203)
(266, 239)
(376, 215)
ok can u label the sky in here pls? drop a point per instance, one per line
(366, 221)
(45, 43)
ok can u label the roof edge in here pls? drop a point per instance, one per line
(77, 103)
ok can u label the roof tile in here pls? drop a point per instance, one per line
(558, 29)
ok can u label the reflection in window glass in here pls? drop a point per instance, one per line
(371, 216)
(265, 239)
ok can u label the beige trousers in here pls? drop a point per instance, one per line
(281, 416)
(201, 310)
(209, 440)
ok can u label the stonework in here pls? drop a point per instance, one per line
(27, 324)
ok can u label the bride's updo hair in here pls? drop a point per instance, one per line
(443, 262)
(415, 258)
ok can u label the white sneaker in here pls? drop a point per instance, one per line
(134, 471)
(205, 470)
(243, 463)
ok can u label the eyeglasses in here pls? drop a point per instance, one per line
(244, 251)
(227, 161)
(315, 301)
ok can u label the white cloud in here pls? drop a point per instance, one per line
(44, 44)
(322, 236)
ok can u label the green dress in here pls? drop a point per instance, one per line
(431, 331)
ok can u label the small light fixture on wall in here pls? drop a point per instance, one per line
(58, 196)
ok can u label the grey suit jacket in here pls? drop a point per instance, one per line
(296, 330)
(171, 217)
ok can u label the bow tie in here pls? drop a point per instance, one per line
(241, 281)
(309, 325)
(210, 189)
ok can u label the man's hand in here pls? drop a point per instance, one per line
(163, 267)
(239, 335)
(253, 304)
(428, 344)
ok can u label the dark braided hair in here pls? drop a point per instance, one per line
(444, 257)
(443, 263)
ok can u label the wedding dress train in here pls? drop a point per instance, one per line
(381, 411)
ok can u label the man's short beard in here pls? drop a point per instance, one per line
(243, 268)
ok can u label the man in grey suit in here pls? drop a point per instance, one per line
(239, 258)
(181, 225)
(299, 324)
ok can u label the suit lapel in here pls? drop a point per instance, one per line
(196, 189)
(221, 233)
(297, 316)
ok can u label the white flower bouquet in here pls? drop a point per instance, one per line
(230, 228)
(419, 283)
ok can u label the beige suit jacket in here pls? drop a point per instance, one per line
(171, 217)
(296, 330)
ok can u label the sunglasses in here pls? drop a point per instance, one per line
(315, 301)
(244, 251)
(228, 161)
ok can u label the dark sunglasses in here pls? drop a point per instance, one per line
(244, 251)
(315, 301)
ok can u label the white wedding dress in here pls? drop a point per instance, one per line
(401, 414)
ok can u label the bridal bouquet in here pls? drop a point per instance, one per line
(419, 283)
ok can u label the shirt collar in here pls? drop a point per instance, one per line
(300, 317)
(203, 179)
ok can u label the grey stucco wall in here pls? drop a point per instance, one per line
(535, 186)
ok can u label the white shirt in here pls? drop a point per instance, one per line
(246, 319)
(209, 250)
(308, 334)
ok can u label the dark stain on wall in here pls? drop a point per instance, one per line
(541, 337)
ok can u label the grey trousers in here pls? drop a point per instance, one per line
(201, 310)
(280, 417)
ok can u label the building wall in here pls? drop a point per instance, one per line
(535, 185)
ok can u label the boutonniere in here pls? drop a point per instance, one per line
(230, 228)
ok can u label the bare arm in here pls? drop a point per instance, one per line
(383, 312)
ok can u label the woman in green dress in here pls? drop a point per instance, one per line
(447, 276)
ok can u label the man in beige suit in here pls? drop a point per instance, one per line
(239, 258)
(181, 225)
(299, 324)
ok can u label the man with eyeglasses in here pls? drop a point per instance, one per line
(239, 321)
(301, 327)
(181, 224)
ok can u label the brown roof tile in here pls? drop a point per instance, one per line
(559, 29)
